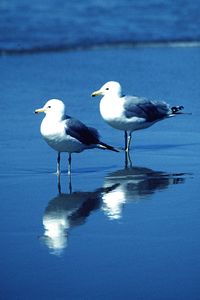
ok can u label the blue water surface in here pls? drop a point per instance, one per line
(119, 234)
(114, 232)
(53, 24)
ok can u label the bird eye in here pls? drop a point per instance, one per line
(107, 89)
(49, 106)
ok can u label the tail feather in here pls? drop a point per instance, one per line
(176, 109)
(107, 147)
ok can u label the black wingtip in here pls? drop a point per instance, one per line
(177, 109)
(108, 147)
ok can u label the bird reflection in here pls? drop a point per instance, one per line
(68, 210)
(133, 184)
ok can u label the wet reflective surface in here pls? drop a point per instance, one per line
(118, 230)
(66, 211)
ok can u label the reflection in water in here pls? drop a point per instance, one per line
(134, 184)
(67, 211)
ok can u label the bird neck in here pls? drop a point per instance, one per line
(55, 117)
(112, 98)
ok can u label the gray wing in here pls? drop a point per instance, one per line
(147, 109)
(76, 129)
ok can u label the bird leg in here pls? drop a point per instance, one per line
(70, 184)
(128, 162)
(125, 139)
(58, 165)
(59, 185)
(126, 148)
(69, 172)
(129, 142)
(69, 164)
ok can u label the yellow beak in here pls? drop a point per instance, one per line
(96, 93)
(39, 110)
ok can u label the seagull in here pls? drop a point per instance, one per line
(66, 134)
(130, 113)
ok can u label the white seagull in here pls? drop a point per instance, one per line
(130, 113)
(66, 134)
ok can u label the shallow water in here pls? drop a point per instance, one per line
(119, 234)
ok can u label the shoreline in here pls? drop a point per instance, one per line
(102, 46)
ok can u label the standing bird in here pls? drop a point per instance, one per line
(130, 113)
(66, 134)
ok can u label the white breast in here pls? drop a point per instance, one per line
(50, 128)
(111, 110)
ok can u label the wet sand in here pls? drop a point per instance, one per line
(120, 233)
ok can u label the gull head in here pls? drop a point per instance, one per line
(53, 107)
(110, 88)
